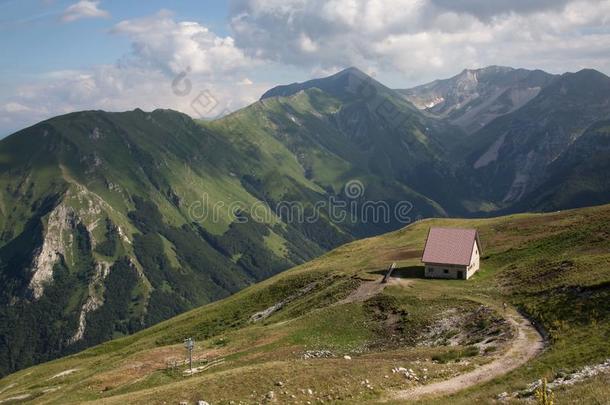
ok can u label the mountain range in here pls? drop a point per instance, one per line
(112, 222)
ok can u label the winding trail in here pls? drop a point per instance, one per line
(526, 345)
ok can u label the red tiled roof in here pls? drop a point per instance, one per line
(450, 246)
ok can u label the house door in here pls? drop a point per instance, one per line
(460, 274)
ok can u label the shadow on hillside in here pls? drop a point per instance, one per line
(404, 272)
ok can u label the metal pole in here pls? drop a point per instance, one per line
(189, 344)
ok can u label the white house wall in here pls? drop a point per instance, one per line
(447, 271)
(474, 261)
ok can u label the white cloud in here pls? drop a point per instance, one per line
(160, 42)
(245, 82)
(412, 41)
(178, 65)
(426, 39)
(485, 9)
(307, 45)
(84, 9)
(120, 88)
(12, 107)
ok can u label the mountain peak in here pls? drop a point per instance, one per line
(352, 70)
(585, 81)
(589, 74)
(491, 69)
(337, 84)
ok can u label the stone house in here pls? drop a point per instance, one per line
(451, 253)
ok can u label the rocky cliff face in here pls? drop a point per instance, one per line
(474, 98)
(516, 153)
(57, 240)
(578, 177)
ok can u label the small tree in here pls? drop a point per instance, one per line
(544, 396)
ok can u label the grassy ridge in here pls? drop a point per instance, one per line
(555, 267)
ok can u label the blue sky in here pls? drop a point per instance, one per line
(59, 56)
(34, 41)
(35, 25)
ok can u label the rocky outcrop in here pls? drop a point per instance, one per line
(259, 316)
(61, 221)
(95, 299)
(561, 379)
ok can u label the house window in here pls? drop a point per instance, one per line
(446, 271)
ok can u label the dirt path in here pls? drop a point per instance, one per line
(524, 347)
(369, 289)
(365, 291)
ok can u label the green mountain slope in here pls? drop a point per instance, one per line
(354, 129)
(351, 117)
(289, 334)
(522, 143)
(93, 200)
(112, 222)
(514, 154)
(179, 213)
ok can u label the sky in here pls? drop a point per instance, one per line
(208, 57)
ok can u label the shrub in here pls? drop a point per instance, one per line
(544, 396)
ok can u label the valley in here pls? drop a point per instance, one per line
(113, 222)
(305, 202)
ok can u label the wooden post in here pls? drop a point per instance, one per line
(388, 274)
(189, 344)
